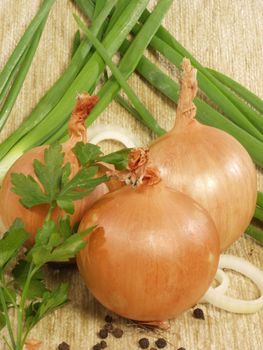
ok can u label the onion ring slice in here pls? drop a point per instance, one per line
(240, 306)
(223, 280)
(103, 132)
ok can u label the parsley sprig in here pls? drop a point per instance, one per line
(22, 285)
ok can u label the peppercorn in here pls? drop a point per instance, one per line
(161, 343)
(103, 344)
(103, 333)
(109, 327)
(97, 347)
(108, 319)
(63, 346)
(144, 343)
(181, 348)
(117, 332)
(198, 313)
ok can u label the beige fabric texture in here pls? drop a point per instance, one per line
(223, 34)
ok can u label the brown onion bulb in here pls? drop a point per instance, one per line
(208, 165)
(33, 218)
(153, 254)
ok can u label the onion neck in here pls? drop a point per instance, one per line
(140, 171)
(186, 109)
(77, 128)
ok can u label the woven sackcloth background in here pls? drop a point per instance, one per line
(223, 34)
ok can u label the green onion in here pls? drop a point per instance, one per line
(87, 7)
(255, 232)
(242, 91)
(208, 84)
(120, 6)
(125, 104)
(54, 95)
(11, 78)
(76, 43)
(24, 43)
(260, 199)
(20, 76)
(205, 113)
(83, 82)
(99, 5)
(259, 213)
(145, 115)
(128, 64)
(126, 67)
(255, 118)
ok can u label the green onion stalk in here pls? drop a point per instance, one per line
(58, 116)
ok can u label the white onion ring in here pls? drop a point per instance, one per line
(223, 279)
(231, 304)
(102, 132)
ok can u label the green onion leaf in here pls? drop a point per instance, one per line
(255, 232)
(145, 115)
(242, 91)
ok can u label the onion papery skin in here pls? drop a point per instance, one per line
(152, 255)
(214, 169)
(33, 218)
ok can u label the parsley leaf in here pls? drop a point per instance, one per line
(51, 301)
(28, 189)
(44, 233)
(12, 241)
(37, 286)
(64, 226)
(9, 296)
(119, 159)
(87, 153)
(56, 243)
(50, 173)
(71, 246)
(78, 187)
(58, 188)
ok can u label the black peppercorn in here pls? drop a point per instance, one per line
(63, 346)
(144, 343)
(97, 347)
(109, 327)
(161, 343)
(108, 319)
(103, 344)
(103, 333)
(198, 313)
(117, 332)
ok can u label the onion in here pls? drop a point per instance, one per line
(217, 298)
(207, 164)
(154, 251)
(10, 206)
